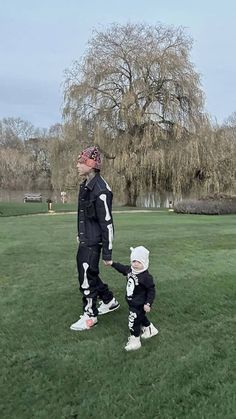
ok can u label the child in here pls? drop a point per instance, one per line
(140, 294)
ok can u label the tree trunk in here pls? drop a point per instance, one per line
(131, 196)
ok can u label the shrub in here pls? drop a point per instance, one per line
(209, 205)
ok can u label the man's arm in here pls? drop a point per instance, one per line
(103, 205)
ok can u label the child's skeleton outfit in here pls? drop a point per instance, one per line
(140, 291)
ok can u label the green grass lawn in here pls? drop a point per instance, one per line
(187, 371)
(12, 209)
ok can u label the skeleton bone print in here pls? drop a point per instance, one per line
(132, 317)
(131, 283)
(85, 284)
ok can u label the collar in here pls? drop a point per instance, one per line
(138, 272)
(91, 183)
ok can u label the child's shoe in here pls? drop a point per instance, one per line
(84, 323)
(149, 332)
(133, 343)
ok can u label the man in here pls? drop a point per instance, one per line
(95, 235)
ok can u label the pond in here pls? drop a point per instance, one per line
(148, 200)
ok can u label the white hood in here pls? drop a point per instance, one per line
(141, 254)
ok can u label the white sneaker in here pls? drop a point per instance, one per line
(107, 308)
(84, 323)
(133, 343)
(149, 332)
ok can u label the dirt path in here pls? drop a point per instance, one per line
(113, 212)
(74, 212)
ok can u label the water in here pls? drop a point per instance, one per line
(7, 195)
(149, 200)
(155, 200)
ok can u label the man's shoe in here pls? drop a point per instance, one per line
(133, 343)
(149, 332)
(107, 308)
(84, 323)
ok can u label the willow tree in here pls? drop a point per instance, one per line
(135, 85)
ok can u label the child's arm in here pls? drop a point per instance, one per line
(150, 294)
(123, 269)
(147, 307)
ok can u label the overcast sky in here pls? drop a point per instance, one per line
(39, 39)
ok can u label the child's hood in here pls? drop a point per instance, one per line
(141, 254)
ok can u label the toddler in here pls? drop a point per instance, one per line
(140, 294)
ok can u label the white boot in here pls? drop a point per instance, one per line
(133, 343)
(149, 332)
(84, 323)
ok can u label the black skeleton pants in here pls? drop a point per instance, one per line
(91, 285)
(137, 319)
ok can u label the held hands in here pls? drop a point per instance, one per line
(147, 308)
(108, 262)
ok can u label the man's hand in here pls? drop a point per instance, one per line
(147, 308)
(108, 262)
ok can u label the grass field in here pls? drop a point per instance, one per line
(187, 371)
(13, 209)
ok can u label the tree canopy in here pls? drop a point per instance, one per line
(133, 74)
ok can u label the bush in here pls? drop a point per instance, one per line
(209, 205)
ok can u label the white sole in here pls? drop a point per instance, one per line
(82, 330)
(134, 349)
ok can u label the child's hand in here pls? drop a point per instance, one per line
(108, 262)
(147, 308)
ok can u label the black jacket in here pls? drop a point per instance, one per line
(95, 224)
(140, 288)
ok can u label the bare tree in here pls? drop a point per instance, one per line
(64, 151)
(230, 122)
(134, 74)
(135, 80)
(24, 157)
(14, 131)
